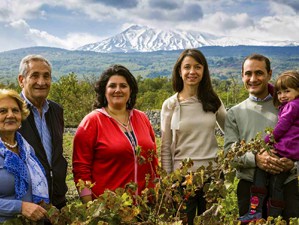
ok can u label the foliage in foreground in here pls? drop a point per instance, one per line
(165, 203)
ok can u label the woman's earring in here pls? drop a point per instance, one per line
(105, 101)
(128, 102)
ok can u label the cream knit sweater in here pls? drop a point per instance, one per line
(188, 132)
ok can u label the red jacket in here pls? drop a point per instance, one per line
(103, 154)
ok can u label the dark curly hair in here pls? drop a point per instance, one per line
(205, 92)
(100, 86)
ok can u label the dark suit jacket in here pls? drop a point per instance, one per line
(56, 174)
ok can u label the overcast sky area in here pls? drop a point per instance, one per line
(70, 24)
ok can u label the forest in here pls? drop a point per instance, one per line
(77, 95)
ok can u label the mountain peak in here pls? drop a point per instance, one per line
(139, 38)
(136, 27)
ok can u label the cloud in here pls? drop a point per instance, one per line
(18, 9)
(184, 11)
(105, 11)
(11, 38)
(269, 28)
(280, 28)
(166, 4)
(4, 14)
(76, 40)
(221, 23)
(294, 4)
(190, 12)
(117, 3)
(73, 23)
(95, 9)
(33, 37)
(19, 25)
(277, 9)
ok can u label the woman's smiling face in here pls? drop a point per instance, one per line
(117, 91)
(10, 115)
(191, 71)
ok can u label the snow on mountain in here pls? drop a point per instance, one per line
(144, 39)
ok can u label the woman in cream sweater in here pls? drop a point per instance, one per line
(189, 118)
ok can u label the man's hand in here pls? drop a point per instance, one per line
(271, 163)
(288, 164)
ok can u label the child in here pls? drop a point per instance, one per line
(286, 144)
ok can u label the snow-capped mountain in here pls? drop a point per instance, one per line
(144, 39)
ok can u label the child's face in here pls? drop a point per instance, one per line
(287, 95)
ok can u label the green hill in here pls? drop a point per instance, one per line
(224, 62)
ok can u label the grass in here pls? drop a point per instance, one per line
(72, 193)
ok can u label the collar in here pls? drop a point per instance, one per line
(45, 106)
(103, 111)
(256, 99)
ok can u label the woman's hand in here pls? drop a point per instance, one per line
(33, 211)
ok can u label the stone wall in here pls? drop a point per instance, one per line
(154, 117)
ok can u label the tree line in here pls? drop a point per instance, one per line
(77, 95)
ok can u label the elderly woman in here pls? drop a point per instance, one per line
(107, 140)
(20, 171)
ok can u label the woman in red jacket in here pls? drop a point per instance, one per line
(107, 140)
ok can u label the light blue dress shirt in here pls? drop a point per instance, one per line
(43, 130)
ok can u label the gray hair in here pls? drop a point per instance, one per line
(23, 69)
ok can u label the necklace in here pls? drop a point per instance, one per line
(128, 133)
(9, 145)
(124, 125)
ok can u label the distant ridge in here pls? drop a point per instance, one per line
(224, 62)
(144, 39)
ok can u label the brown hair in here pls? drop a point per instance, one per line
(288, 79)
(205, 91)
(258, 57)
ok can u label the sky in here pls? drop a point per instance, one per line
(70, 24)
